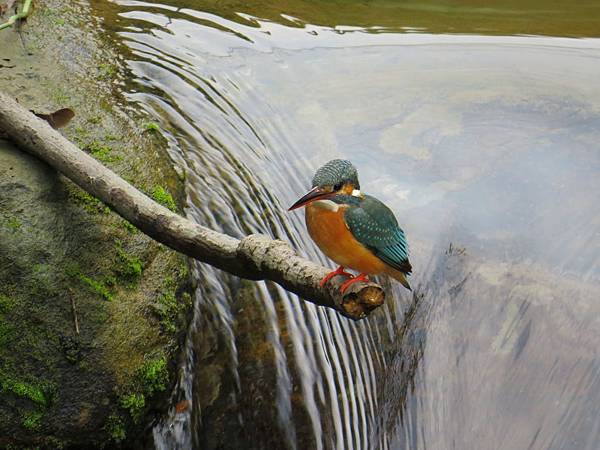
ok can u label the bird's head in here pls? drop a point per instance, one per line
(336, 178)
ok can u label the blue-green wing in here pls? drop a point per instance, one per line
(374, 225)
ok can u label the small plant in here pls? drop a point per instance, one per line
(167, 309)
(97, 287)
(134, 403)
(152, 127)
(13, 224)
(101, 152)
(129, 227)
(154, 375)
(167, 306)
(33, 393)
(32, 420)
(88, 202)
(162, 196)
(151, 377)
(115, 428)
(40, 392)
(130, 266)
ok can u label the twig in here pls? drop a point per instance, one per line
(75, 321)
(19, 16)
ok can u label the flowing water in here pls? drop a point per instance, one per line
(480, 136)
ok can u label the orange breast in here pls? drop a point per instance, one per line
(329, 231)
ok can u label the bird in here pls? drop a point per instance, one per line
(355, 230)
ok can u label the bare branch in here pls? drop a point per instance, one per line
(255, 257)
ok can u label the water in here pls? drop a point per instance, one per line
(486, 147)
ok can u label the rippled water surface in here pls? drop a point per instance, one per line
(483, 141)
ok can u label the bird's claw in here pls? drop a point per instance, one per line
(339, 271)
(346, 284)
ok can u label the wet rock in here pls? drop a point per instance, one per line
(66, 259)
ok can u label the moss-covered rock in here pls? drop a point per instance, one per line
(91, 311)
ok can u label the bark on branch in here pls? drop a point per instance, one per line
(254, 257)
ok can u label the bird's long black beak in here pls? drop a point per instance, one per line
(316, 193)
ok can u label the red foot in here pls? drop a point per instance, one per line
(339, 271)
(346, 284)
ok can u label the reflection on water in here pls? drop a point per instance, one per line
(486, 148)
(501, 17)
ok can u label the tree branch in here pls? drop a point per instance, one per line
(254, 257)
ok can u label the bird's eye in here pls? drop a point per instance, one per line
(338, 186)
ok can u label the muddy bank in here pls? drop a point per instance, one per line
(91, 310)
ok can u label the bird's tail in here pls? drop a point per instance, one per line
(398, 276)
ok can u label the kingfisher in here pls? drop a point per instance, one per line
(355, 230)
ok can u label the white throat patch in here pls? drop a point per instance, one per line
(326, 204)
(357, 193)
